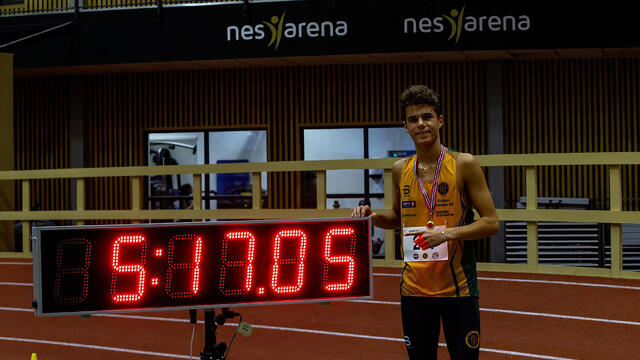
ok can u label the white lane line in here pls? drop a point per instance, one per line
(15, 263)
(480, 278)
(541, 282)
(397, 303)
(515, 312)
(156, 318)
(15, 309)
(526, 355)
(94, 347)
(611, 286)
(267, 327)
(369, 337)
(15, 284)
(380, 302)
(558, 316)
(322, 332)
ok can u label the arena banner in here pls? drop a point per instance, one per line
(310, 28)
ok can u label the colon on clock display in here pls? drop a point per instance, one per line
(106, 268)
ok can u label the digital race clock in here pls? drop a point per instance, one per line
(105, 268)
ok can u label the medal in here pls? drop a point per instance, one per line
(430, 199)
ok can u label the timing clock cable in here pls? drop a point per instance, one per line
(233, 337)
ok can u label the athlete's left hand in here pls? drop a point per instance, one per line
(426, 239)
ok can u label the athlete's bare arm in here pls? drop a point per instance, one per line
(388, 219)
(480, 197)
(474, 184)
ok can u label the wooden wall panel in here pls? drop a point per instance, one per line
(119, 107)
(572, 106)
(355, 95)
(282, 100)
(7, 148)
(549, 106)
(41, 136)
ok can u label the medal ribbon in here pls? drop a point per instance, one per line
(431, 198)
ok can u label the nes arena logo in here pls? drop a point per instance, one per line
(275, 29)
(455, 22)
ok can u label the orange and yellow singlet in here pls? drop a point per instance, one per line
(456, 276)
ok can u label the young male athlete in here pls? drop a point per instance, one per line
(434, 193)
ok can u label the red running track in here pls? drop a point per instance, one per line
(524, 316)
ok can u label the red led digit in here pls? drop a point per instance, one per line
(128, 240)
(195, 265)
(277, 261)
(62, 271)
(248, 262)
(329, 259)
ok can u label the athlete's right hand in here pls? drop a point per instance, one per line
(363, 211)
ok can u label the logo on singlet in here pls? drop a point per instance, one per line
(443, 188)
(406, 190)
(472, 339)
(408, 204)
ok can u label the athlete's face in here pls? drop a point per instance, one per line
(422, 124)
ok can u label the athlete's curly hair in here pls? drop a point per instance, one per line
(417, 95)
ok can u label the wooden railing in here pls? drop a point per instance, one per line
(613, 216)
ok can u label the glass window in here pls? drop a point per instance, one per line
(332, 144)
(347, 188)
(383, 143)
(233, 190)
(182, 148)
(207, 147)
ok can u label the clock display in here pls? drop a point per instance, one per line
(107, 268)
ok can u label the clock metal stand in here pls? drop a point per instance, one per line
(213, 350)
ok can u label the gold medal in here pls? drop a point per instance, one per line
(430, 225)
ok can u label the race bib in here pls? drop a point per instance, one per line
(413, 252)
